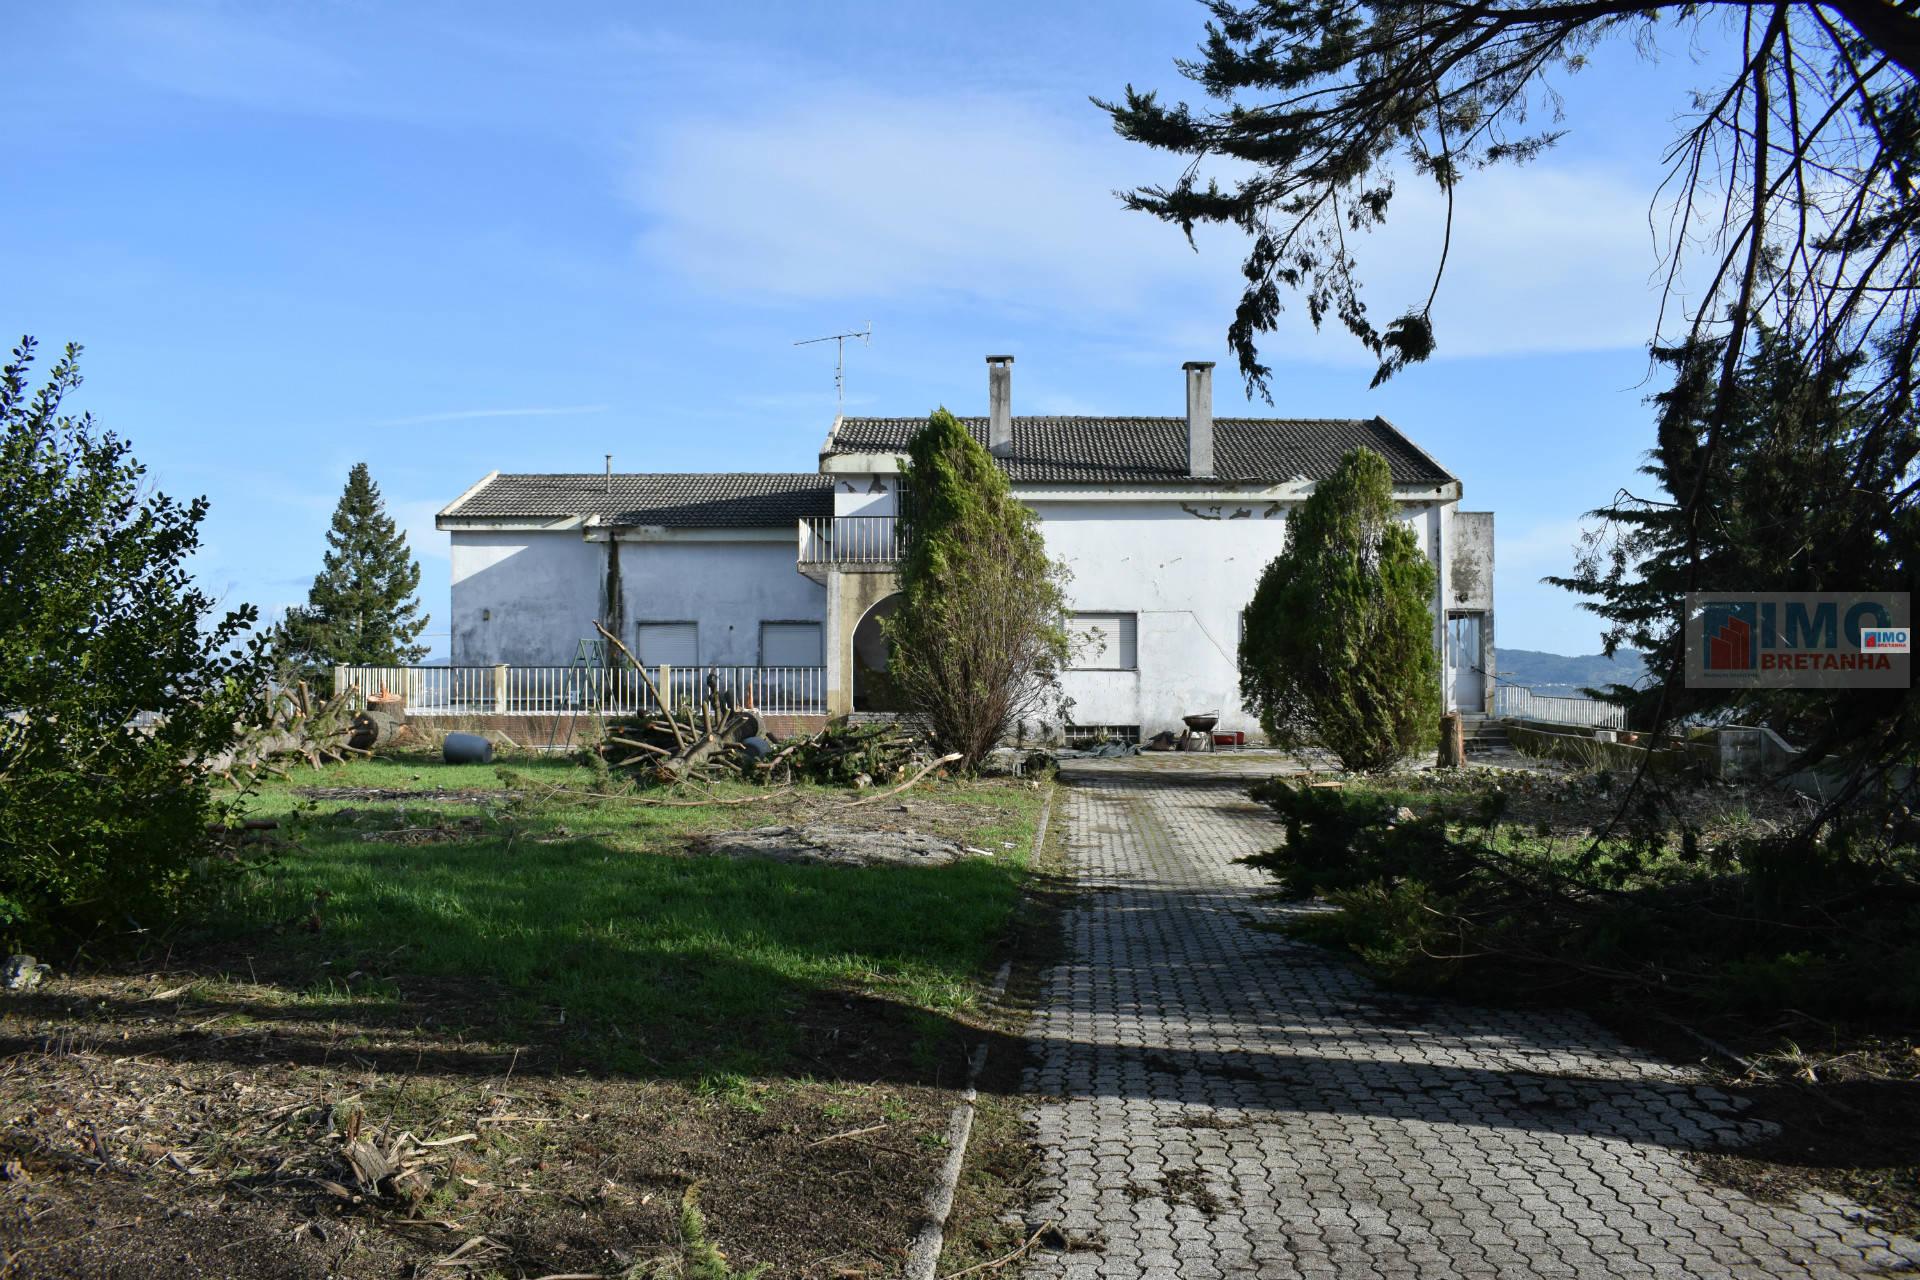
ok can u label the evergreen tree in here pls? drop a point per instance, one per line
(1808, 495)
(1323, 111)
(1339, 641)
(361, 610)
(979, 637)
(117, 680)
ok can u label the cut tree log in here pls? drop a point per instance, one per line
(333, 730)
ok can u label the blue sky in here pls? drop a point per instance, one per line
(444, 239)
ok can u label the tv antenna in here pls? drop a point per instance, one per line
(839, 341)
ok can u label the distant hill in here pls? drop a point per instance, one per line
(1558, 673)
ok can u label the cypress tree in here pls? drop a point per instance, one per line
(979, 637)
(361, 610)
(1339, 648)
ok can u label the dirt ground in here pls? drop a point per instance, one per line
(1846, 1103)
(177, 1120)
(140, 1141)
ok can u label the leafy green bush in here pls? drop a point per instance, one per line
(116, 680)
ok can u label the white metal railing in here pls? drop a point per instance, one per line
(873, 540)
(528, 691)
(1522, 703)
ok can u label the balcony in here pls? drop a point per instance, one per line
(851, 543)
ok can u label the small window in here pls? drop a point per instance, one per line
(1104, 641)
(791, 644)
(1085, 737)
(673, 644)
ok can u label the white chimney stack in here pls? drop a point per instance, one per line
(1000, 405)
(1199, 417)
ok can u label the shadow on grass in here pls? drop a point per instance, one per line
(580, 954)
(844, 1038)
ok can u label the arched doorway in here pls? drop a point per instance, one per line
(872, 690)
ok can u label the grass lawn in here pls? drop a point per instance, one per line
(579, 921)
(588, 1023)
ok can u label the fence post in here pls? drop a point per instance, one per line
(500, 689)
(340, 680)
(666, 688)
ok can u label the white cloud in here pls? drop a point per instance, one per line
(224, 57)
(853, 195)
(1543, 258)
(990, 199)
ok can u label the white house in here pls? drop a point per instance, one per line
(772, 583)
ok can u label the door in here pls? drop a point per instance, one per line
(1466, 682)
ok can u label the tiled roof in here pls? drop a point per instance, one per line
(729, 500)
(1129, 450)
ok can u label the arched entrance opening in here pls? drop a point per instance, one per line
(872, 689)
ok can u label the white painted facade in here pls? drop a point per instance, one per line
(1181, 566)
(1184, 578)
(1169, 563)
(529, 596)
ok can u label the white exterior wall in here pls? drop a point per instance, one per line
(866, 495)
(1186, 578)
(727, 588)
(524, 598)
(544, 589)
(528, 597)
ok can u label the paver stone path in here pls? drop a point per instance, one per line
(1216, 1100)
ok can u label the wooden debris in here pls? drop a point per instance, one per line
(715, 740)
(293, 726)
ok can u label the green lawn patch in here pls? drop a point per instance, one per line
(582, 923)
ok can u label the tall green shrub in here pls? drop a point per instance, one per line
(980, 636)
(1339, 641)
(104, 812)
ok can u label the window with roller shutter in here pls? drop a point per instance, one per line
(1104, 641)
(791, 644)
(673, 644)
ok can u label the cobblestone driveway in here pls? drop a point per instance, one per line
(1219, 1101)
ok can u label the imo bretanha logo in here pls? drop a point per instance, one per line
(1798, 640)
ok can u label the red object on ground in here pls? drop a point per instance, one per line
(1230, 738)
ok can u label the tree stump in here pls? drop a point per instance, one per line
(1453, 743)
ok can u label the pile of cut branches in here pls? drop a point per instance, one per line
(1660, 917)
(718, 741)
(713, 744)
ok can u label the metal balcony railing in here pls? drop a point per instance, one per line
(1522, 703)
(589, 691)
(852, 540)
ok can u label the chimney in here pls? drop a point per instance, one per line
(1199, 417)
(1000, 405)
(609, 473)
